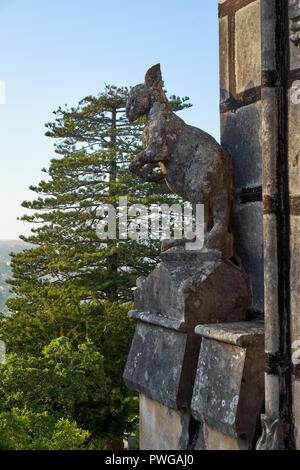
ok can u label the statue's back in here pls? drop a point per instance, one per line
(194, 168)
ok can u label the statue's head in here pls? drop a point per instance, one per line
(139, 99)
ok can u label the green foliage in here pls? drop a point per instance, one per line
(68, 378)
(50, 393)
(64, 380)
(25, 430)
(67, 436)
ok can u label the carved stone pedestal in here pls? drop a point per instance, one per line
(192, 287)
(161, 366)
(229, 386)
(186, 289)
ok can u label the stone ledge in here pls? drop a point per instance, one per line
(241, 334)
(157, 320)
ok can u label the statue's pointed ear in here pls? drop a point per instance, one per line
(153, 76)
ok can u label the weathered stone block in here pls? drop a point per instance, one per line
(296, 394)
(294, 15)
(224, 58)
(162, 365)
(268, 34)
(216, 440)
(248, 46)
(241, 137)
(229, 386)
(294, 139)
(249, 245)
(162, 428)
(268, 143)
(295, 277)
(218, 383)
(188, 288)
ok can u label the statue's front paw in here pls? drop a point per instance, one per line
(138, 162)
(135, 166)
(143, 158)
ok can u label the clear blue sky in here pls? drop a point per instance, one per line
(58, 51)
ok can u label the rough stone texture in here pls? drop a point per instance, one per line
(295, 278)
(224, 72)
(216, 393)
(185, 289)
(294, 183)
(216, 440)
(229, 386)
(249, 244)
(268, 35)
(294, 17)
(241, 133)
(154, 363)
(192, 163)
(162, 428)
(188, 288)
(296, 392)
(243, 334)
(269, 150)
(248, 38)
(162, 365)
(269, 439)
(280, 140)
(240, 52)
(294, 188)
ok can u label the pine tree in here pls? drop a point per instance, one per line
(96, 144)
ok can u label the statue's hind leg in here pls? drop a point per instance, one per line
(219, 237)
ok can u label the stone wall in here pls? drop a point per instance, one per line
(294, 188)
(240, 82)
(260, 122)
(281, 189)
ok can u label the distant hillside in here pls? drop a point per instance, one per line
(7, 247)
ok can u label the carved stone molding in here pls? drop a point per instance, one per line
(269, 439)
(295, 22)
(295, 31)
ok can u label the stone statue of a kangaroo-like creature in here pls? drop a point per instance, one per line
(192, 163)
